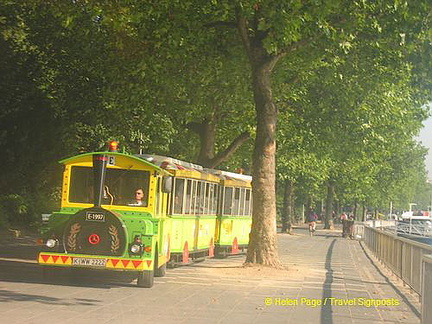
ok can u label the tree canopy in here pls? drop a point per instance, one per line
(327, 95)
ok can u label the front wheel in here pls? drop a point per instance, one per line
(145, 279)
(161, 271)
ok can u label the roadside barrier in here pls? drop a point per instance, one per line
(409, 260)
(426, 299)
(403, 256)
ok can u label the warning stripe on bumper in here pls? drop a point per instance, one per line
(112, 263)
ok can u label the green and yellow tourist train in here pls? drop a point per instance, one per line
(141, 212)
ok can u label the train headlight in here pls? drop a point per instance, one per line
(135, 248)
(51, 243)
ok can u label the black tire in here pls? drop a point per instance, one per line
(171, 264)
(220, 252)
(145, 279)
(161, 271)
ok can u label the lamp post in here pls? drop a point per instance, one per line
(430, 207)
(391, 210)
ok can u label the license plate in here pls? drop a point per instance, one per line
(87, 262)
(95, 217)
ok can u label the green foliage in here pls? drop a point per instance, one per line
(15, 210)
(353, 109)
(350, 86)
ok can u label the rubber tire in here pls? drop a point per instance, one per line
(145, 279)
(220, 253)
(160, 272)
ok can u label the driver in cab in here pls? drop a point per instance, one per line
(139, 198)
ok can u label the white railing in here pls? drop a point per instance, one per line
(413, 229)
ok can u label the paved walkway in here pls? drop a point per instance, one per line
(329, 280)
(344, 270)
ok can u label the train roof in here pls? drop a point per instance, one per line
(183, 168)
(168, 163)
(175, 167)
(86, 156)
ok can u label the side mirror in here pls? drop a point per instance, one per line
(167, 184)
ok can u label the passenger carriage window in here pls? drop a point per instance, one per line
(251, 204)
(228, 201)
(215, 199)
(201, 192)
(248, 202)
(242, 202)
(193, 210)
(212, 204)
(158, 196)
(170, 206)
(178, 195)
(207, 199)
(236, 201)
(198, 198)
(120, 186)
(211, 198)
(188, 200)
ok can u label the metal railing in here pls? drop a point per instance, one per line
(408, 259)
(426, 298)
(403, 256)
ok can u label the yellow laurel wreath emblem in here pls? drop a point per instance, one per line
(71, 241)
(115, 241)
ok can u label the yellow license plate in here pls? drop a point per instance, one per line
(88, 262)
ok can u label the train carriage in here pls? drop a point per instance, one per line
(193, 208)
(185, 213)
(210, 210)
(235, 213)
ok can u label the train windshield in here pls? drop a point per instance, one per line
(122, 187)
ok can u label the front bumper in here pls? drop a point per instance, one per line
(112, 263)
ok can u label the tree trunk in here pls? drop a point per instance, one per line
(262, 247)
(206, 130)
(207, 141)
(262, 244)
(328, 224)
(308, 208)
(207, 133)
(288, 208)
(355, 210)
(364, 213)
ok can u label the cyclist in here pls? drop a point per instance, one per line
(312, 218)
